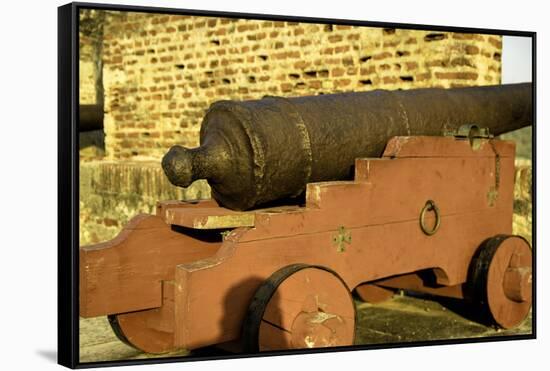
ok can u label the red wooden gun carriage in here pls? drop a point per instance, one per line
(432, 214)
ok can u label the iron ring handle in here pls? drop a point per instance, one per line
(430, 205)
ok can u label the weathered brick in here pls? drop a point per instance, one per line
(342, 83)
(462, 61)
(457, 75)
(367, 70)
(382, 55)
(466, 36)
(341, 49)
(496, 42)
(411, 65)
(471, 49)
(337, 72)
(116, 59)
(436, 63)
(391, 44)
(347, 61)
(423, 76)
(286, 87)
(315, 84)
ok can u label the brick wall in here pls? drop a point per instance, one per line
(161, 72)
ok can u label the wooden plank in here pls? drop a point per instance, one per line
(162, 206)
(125, 274)
(208, 218)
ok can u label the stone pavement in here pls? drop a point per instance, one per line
(402, 319)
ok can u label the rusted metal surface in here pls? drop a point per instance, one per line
(256, 152)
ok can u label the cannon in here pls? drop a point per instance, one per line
(427, 207)
(256, 152)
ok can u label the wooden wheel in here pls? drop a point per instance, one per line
(300, 306)
(501, 279)
(150, 331)
(137, 330)
(371, 293)
(115, 326)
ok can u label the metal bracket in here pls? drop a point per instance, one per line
(471, 132)
(343, 237)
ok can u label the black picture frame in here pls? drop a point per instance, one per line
(68, 178)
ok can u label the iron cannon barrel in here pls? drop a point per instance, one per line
(258, 151)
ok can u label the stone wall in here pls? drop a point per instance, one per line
(161, 72)
(112, 192)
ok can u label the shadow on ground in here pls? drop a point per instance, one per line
(50, 355)
(403, 319)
